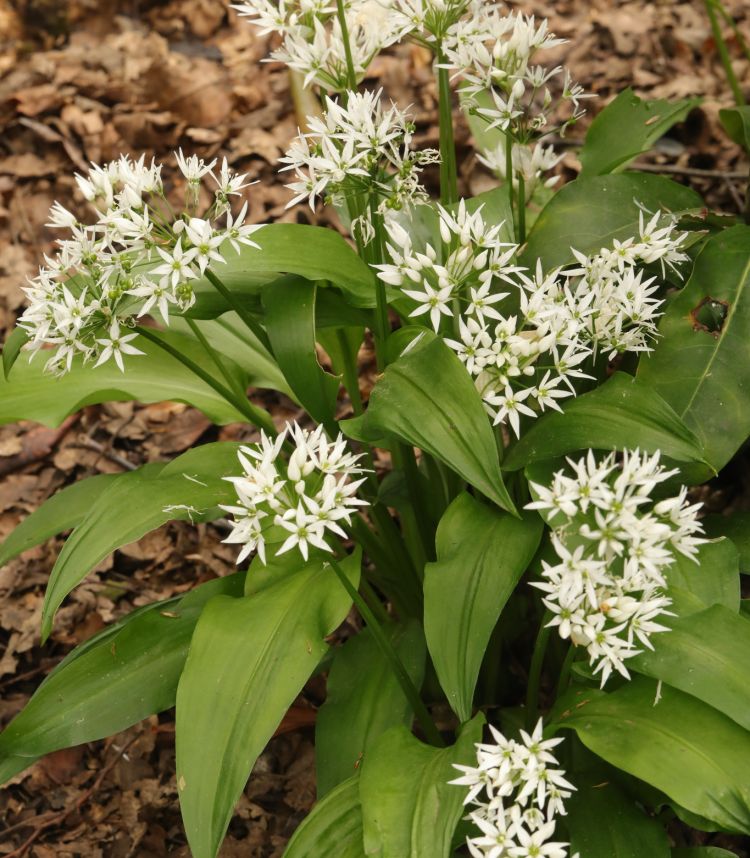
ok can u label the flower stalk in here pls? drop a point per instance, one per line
(254, 415)
(399, 671)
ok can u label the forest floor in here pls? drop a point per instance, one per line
(86, 80)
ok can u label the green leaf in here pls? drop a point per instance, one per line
(681, 746)
(12, 348)
(333, 826)
(603, 822)
(427, 399)
(229, 336)
(482, 554)
(705, 374)
(64, 510)
(290, 322)
(312, 252)
(736, 122)
(590, 213)
(121, 676)
(363, 700)
(248, 660)
(735, 526)
(623, 413)
(188, 488)
(707, 655)
(409, 810)
(30, 394)
(713, 580)
(628, 127)
(702, 852)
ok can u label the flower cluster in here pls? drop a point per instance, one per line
(524, 338)
(516, 793)
(614, 544)
(312, 40)
(294, 503)
(528, 163)
(494, 55)
(524, 357)
(624, 304)
(137, 257)
(358, 149)
(430, 21)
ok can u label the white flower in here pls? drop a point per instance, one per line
(515, 793)
(176, 266)
(306, 498)
(116, 345)
(135, 256)
(357, 144)
(192, 167)
(433, 301)
(205, 241)
(614, 546)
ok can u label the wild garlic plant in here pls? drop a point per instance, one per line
(511, 502)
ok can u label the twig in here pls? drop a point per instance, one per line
(688, 171)
(90, 444)
(45, 822)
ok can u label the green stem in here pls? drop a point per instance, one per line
(376, 606)
(448, 170)
(404, 680)
(413, 479)
(382, 322)
(509, 167)
(351, 375)
(564, 680)
(521, 209)
(255, 415)
(721, 47)
(352, 77)
(215, 357)
(535, 671)
(735, 29)
(246, 317)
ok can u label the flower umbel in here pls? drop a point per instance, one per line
(136, 257)
(301, 500)
(614, 544)
(359, 149)
(515, 792)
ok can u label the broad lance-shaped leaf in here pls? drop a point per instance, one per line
(590, 213)
(363, 700)
(290, 322)
(333, 826)
(482, 554)
(64, 510)
(622, 413)
(627, 127)
(683, 747)
(249, 658)
(31, 394)
(12, 349)
(713, 580)
(231, 339)
(604, 822)
(707, 655)
(312, 252)
(701, 364)
(122, 675)
(409, 810)
(188, 488)
(702, 852)
(735, 526)
(736, 122)
(427, 399)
